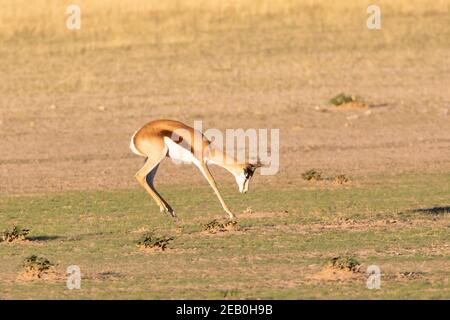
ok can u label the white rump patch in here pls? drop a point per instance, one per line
(133, 147)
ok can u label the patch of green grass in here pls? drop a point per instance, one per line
(274, 256)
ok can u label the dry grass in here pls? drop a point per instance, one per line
(70, 100)
(118, 23)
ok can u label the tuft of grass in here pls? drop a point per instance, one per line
(217, 226)
(15, 234)
(37, 265)
(150, 240)
(233, 293)
(343, 98)
(344, 263)
(412, 274)
(341, 179)
(312, 175)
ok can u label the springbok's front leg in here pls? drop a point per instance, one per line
(205, 171)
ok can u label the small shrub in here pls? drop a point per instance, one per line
(217, 226)
(149, 240)
(342, 98)
(344, 263)
(312, 175)
(15, 234)
(37, 265)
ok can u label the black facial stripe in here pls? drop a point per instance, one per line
(248, 172)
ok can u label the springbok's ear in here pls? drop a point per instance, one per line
(258, 164)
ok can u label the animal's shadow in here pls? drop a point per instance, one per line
(433, 210)
(43, 238)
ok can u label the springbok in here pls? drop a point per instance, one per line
(169, 138)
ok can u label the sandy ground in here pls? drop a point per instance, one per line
(67, 115)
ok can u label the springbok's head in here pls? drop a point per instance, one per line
(244, 175)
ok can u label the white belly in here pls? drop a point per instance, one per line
(178, 153)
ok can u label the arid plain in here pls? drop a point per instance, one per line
(71, 99)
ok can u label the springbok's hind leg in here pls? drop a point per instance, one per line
(167, 208)
(150, 167)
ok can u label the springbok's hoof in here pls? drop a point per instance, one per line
(168, 211)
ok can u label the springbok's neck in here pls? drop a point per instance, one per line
(229, 163)
(235, 168)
